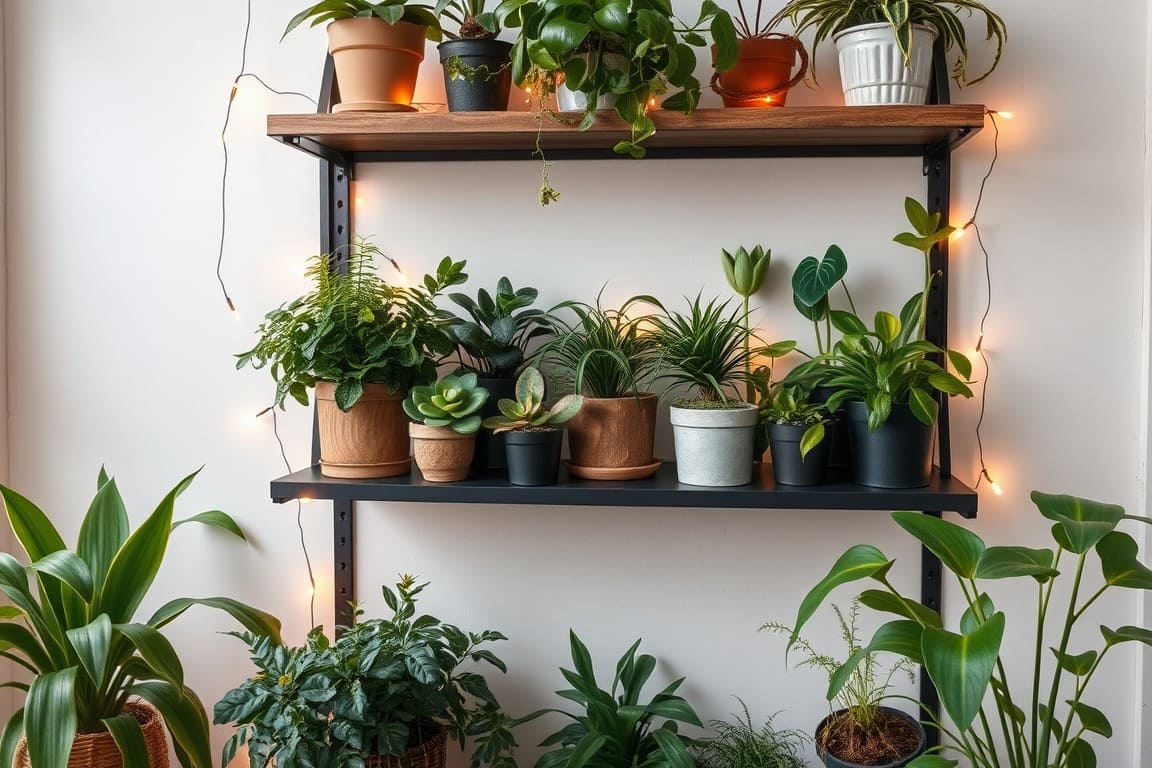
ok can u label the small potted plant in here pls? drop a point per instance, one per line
(445, 417)
(477, 66)
(741, 744)
(361, 343)
(377, 47)
(762, 75)
(608, 356)
(387, 692)
(492, 342)
(796, 434)
(898, 35)
(533, 434)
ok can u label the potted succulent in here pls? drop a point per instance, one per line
(608, 355)
(762, 75)
(860, 731)
(377, 47)
(387, 692)
(533, 434)
(492, 342)
(741, 744)
(886, 46)
(105, 683)
(1032, 716)
(361, 343)
(477, 66)
(796, 434)
(445, 417)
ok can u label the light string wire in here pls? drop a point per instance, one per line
(299, 522)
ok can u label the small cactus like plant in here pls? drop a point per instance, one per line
(452, 402)
(528, 411)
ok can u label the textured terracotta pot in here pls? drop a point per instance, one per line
(371, 440)
(762, 76)
(442, 455)
(614, 432)
(99, 750)
(376, 63)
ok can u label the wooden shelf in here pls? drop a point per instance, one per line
(943, 494)
(786, 132)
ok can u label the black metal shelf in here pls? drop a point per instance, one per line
(943, 494)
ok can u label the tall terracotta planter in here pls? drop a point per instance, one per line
(99, 750)
(370, 440)
(613, 438)
(762, 76)
(376, 63)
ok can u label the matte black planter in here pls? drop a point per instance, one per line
(489, 446)
(832, 761)
(534, 457)
(897, 455)
(836, 431)
(477, 74)
(788, 467)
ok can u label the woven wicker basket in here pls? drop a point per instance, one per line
(98, 750)
(433, 753)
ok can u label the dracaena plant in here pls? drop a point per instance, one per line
(991, 721)
(75, 629)
(827, 17)
(527, 411)
(453, 402)
(494, 341)
(390, 11)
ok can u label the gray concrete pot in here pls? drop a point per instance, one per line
(714, 446)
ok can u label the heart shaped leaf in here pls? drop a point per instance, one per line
(813, 279)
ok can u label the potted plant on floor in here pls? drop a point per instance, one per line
(387, 692)
(608, 356)
(797, 437)
(741, 744)
(860, 731)
(104, 683)
(885, 46)
(533, 434)
(993, 722)
(361, 343)
(492, 342)
(445, 418)
(762, 75)
(377, 47)
(477, 66)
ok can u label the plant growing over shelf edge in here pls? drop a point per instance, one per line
(453, 402)
(527, 411)
(390, 11)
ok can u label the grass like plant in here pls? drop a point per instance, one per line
(740, 744)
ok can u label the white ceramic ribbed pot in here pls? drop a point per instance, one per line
(568, 100)
(872, 69)
(714, 446)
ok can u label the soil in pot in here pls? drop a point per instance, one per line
(894, 741)
(442, 454)
(613, 438)
(762, 76)
(534, 456)
(477, 74)
(490, 454)
(376, 63)
(897, 455)
(836, 432)
(788, 466)
(99, 750)
(714, 445)
(370, 440)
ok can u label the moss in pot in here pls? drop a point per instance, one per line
(534, 435)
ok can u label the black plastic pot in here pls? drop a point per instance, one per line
(534, 457)
(836, 430)
(831, 761)
(489, 446)
(897, 455)
(788, 466)
(477, 74)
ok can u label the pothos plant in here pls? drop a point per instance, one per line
(390, 11)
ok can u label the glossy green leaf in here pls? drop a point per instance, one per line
(1081, 755)
(125, 731)
(1091, 718)
(887, 326)
(252, 619)
(846, 322)
(924, 406)
(587, 749)
(961, 363)
(613, 16)
(971, 619)
(91, 643)
(902, 637)
(961, 666)
(958, 548)
(813, 436)
(184, 717)
(1017, 562)
(860, 562)
(214, 518)
(68, 568)
(32, 527)
(886, 602)
(10, 737)
(156, 651)
(1126, 635)
(917, 215)
(1084, 522)
(675, 755)
(1120, 562)
(50, 718)
(813, 278)
(1078, 664)
(104, 530)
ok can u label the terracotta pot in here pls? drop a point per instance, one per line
(99, 750)
(613, 433)
(376, 63)
(370, 440)
(442, 455)
(762, 76)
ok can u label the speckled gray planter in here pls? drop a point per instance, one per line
(714, 446)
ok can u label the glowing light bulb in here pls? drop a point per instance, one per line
(1006, 115)
(996, 489)
(652, 102)
(767, 99)
(959, 233)
(304, 500)
(528, 90)
(359, 201)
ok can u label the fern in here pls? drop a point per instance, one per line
(742, 745)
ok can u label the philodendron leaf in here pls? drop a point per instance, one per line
(1120, 562)
(813, 436)
(1081, 755)
(973, 618)
(886, 602)
(961, 666)
(1091, 718)
(1083, 522)
(816, 313)
(1126, 635)
(860, 562)
(1078, 665)
(1016, 562)
(813, 279)
(958, 548)
(215, 518)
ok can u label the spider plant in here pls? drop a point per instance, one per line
(705, 350)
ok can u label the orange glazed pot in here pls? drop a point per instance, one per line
(376, 63)
(762, 76)
(613, 438)
(370, 440)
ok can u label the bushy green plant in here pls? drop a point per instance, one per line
(788, 405)
(390, 11)
(453, 402)
(79, 637)
(704, 349)
(740, 744)
(493, 343)
(384, 686)
(354, 328)
(527, 411)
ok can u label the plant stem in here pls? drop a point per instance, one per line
(749, 389)
(1057, 675)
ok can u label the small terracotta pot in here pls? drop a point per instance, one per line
(99, 750)
(762, 76)
(370, 440)
(376, 63)
(442, 455)
(613, 433)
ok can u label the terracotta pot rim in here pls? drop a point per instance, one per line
(425, 432)
(364, 21)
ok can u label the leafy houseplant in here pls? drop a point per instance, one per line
(616, 730)
(743, 745)
(993, 723)
(446, 417)
(79, 637)
(477, 66)
(385, 688)
(796, 434)
(762, 75)
(533, 433)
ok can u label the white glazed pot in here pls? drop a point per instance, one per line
(568, 100)
(714, 446)
(872, 69)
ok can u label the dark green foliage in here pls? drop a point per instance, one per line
(390, 11)
(493, 343)
(741, 745)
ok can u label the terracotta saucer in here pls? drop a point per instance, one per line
(373, 106)
(614, 473)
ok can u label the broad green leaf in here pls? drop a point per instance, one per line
(970, 620)
(675, 709)
(860, 562)
(561, 35)
(1120, 562)
(184, 717)
(1081, 755)
(886, 602)
(887, 326)
(1016, 562)
(724, 35)
(813, 436)
(613, 16)
(1084, 522)
(924, 406)
(582, 659)
(961, 666)
(91, 644)
(214, 518)
(958, 548)
(104, 530)
(846, 322)
(50, 718)
(1091, 718)
(1126, 635)
(32, 527)
(960, 363)
(902, 637)
(252, 619)
(675, 755)
(917, 215)
(1078, 664)
(588, 747)
(813, 278)
(68, 568)
(126, 732)
(156, 651)
(13, 732)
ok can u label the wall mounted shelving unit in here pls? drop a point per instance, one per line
(342, 141)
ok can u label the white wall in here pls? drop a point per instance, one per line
(122, 350)
(6, 667)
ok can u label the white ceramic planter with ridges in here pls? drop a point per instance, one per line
(714, 446)
(872, 69)
(568, 100)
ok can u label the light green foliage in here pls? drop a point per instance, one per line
(493, 342)
(390, 11)
(788, 405)
(453, 402)
(527, 410)
(742, 745)
(79, 637)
